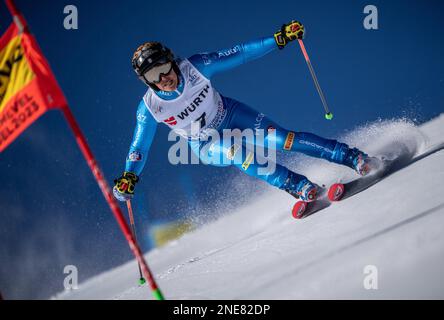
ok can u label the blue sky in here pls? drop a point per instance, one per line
(52, 212)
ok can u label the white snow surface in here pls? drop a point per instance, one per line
(260, 251)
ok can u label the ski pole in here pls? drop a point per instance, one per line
(328, 114)
(133, 228)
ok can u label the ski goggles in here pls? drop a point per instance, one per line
(153, 75)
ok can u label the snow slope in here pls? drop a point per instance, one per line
(261, 252)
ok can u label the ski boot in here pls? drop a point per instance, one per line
(305, 191)
(300, 187)
(361, 162)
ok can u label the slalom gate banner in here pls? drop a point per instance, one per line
(28, 89)
(27, 86)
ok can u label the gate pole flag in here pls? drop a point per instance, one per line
(27, 86)
(28, 89)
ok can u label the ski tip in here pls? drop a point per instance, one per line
(299, 209)
(336, 191)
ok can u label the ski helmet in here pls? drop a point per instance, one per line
(149, 55)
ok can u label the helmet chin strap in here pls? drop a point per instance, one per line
(153, 86)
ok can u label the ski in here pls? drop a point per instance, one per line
(362, 183)
(302, 209)
(341, 191)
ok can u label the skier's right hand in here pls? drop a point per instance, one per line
(124, 186)
(289, 32)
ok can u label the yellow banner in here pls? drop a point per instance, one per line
(27, 86)
(15, 72)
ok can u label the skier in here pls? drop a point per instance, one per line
(180, 93)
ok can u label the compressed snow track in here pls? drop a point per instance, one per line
(261, 252)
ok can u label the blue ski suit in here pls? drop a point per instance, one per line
(237, 116)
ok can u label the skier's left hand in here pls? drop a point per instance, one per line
(124, 186)
(289, 32)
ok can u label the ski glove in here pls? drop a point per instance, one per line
(124, 186)
(289, 32)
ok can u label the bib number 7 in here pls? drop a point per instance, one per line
(201, 120)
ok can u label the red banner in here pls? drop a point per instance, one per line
(27, 85)
(27, 89)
